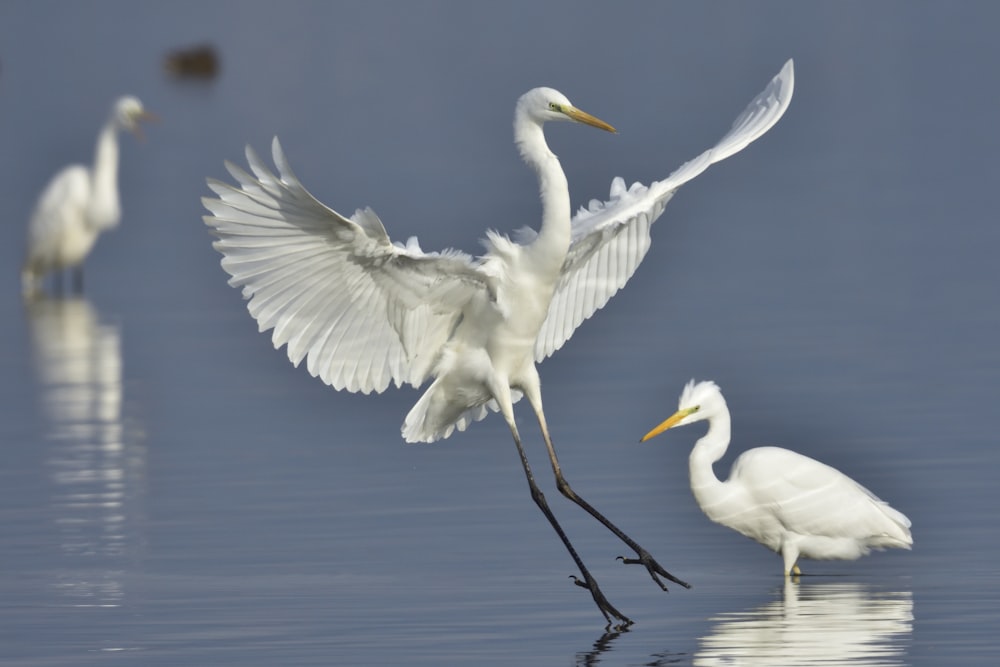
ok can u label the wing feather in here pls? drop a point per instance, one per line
(812, 498)
(619, 228)
(362, 311)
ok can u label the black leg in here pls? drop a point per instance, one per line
(588, 582)
(644, 558)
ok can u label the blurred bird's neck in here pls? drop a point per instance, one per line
(105, 206)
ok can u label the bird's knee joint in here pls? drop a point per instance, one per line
(565, 488)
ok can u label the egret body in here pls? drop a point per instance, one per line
(79, 203)
(790, 503)
(364, 312)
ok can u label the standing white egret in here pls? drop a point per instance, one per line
(79, 203)
(364, 312)
(790, 503)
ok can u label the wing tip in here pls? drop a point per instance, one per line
(787, 77)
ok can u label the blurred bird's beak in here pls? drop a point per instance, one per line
(143, 117)
(670, 422)
(587, 119)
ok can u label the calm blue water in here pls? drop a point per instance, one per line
(174, 492)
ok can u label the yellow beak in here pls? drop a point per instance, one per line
(669, 423)
(587, 119)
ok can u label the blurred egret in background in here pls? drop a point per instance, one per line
(364, 312)
(790, 503)
(79, 203)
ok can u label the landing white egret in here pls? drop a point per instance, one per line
(364, 312)
(790, 503)
(79, 203)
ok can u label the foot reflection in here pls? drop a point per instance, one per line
(603, 644)
(815, 624)
(94, 463)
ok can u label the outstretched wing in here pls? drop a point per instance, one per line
(611, 238)
(361, 310)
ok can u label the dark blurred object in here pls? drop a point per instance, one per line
(197, 62)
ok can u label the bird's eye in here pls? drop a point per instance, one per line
(554, 106)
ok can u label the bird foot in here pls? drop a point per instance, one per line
(655, 569)
(622, 622)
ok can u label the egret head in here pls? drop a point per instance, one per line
(545, 104)
(129, 112)
(699, 400)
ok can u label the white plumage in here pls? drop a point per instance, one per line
(790, 503)
(79, 203)
(364, 312)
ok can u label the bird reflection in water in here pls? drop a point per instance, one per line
(94, 461)
(816, 624)
(605, 645)
(601, 646)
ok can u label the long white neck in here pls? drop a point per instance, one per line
(707, 488)
(552, 242)
(105, 209)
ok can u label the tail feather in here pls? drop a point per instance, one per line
(434, 417)
(897, 534)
